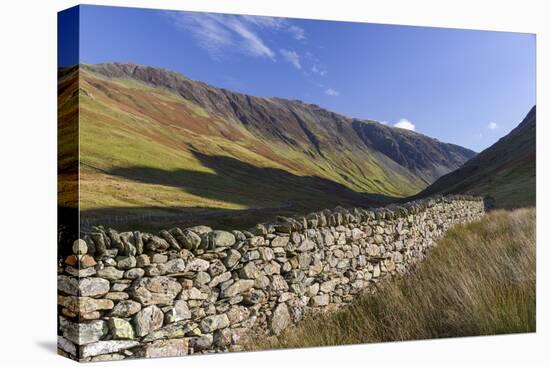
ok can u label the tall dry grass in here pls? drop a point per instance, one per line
(479, 280)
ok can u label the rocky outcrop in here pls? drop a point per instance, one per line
(198, 290)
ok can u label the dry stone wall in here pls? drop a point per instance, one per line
(198, 290)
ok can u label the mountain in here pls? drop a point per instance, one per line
(506, 170)
(152, 138)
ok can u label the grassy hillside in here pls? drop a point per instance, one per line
(479, 280)
(506, 170)
(143, 148)
(153, 141)
(334, 145)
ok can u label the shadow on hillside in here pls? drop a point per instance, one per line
(237, 182)
(269, 191)
(157, 218)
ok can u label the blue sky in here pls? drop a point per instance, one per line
(465, 87)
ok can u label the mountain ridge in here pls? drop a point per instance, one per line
(141, 72)
(252, 110)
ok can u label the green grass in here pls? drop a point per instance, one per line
(512, 187)
(479, 280)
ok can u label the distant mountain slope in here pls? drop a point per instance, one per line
(506, 170)
(426, 157)
(298, 125)
(152, 138)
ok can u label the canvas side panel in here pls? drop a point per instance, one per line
(67, 171)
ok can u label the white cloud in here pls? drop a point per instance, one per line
(331, 92)
(266, 22)
(492, 126)
(316, 66)
(251, 42)
(218, 33)
(221, 33)
(405, 124)
(292, 57)
(318, 70)
(297, 32)
(275, 23)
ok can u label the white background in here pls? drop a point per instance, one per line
(28, 182)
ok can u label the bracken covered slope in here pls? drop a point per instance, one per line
(152, 138)
(506, 170)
